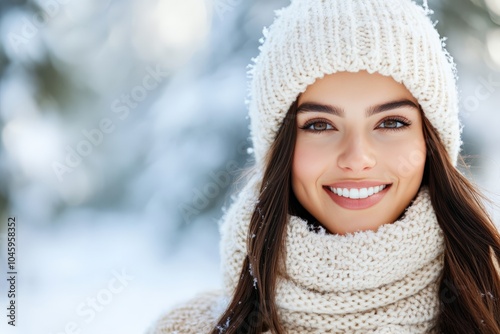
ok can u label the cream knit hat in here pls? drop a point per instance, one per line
(313, 38)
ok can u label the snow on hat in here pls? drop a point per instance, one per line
(312, 38)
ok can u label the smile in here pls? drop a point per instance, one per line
(358, 193)
(357, 198)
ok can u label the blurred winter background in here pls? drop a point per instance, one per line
(123, 126)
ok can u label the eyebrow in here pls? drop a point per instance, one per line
(331, 109)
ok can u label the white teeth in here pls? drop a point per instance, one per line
(354, 193)
(358, 193)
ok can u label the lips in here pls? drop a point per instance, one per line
(362, 196)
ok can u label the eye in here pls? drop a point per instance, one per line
(317, 126)
(394, 123)
(391, 124)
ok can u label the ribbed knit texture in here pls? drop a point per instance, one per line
(313, 38)
(367, 282)
(196, 316)
(356, 283)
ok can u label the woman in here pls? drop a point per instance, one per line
(355, 218)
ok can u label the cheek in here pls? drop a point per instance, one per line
(407, 158)
(307, 163)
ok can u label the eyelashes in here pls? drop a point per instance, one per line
(324, 125)
(391, 123)
(404, 123)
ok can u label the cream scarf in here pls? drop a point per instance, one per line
(367, 282)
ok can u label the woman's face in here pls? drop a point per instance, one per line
(360, 151)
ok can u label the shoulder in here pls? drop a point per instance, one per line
(197, 315)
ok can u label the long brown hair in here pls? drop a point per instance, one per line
(469, 286)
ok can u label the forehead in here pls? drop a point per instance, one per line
(361, 87)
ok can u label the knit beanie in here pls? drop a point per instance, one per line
(313, 38)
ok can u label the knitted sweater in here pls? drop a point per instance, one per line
(366, 282)
(195, 316)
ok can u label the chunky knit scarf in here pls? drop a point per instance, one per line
(367, 282)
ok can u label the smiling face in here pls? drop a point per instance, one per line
(360, 151)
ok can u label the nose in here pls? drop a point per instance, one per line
(356, 155)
